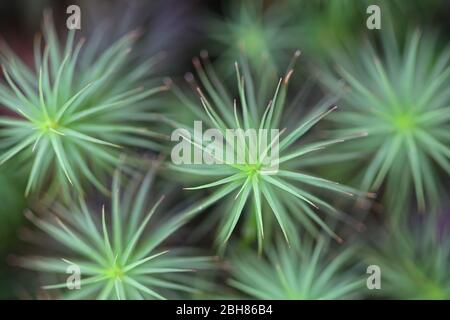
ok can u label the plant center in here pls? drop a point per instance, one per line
(404, 122)
(49, 124)
(252, 169)
(253, 41)
(115, 272)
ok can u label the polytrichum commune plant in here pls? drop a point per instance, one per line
(121, 256)
(75, 112)
(285, 196)
(402, 99)
(306, 271)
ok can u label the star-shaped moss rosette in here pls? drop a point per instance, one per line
(305, 271)
(414, 260)
(402, 99)
(268, 185)
(259, 31)
(74, 113)
(121, 256)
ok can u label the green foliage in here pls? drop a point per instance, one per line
(414, 260)
(322, 25)
(13, 204)
(285, 196)
(402, 99)
(74, 112)
(81, 108)
(119, 257)
(259, 31)
(305, 271)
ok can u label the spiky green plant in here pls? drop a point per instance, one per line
(306, 271)
(119, 257)
(402, 99)
(287, 196)
(74, 111)
(414, 260)
(259, 31)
